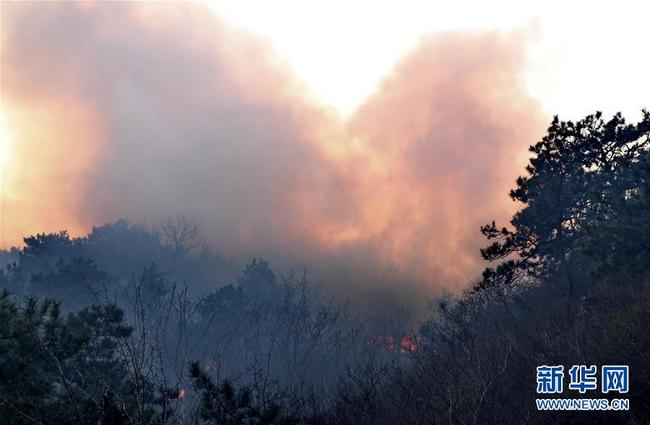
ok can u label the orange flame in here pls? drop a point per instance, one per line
(407, 344)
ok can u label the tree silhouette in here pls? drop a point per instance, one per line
(224, 404)
(579, 174)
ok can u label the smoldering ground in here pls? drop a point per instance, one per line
(146, 111)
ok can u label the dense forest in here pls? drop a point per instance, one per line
(117, 328)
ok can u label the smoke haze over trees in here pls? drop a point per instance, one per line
(130, 343)
(174, 113)
(189, 237)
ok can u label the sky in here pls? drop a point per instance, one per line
(367, 140)
(567, 42)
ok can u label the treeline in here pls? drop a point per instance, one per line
(74, 269)
(130, 343)
(102, 344)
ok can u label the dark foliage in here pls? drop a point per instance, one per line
(587, 181)
(224, 404)
(54, 368)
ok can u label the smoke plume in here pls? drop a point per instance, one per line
(149, 110)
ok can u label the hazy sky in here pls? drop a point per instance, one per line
(570, 69)
(368, 139)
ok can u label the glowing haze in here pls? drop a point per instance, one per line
(567, 41)
(149, 110)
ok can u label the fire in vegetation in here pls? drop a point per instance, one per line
(406, 344)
